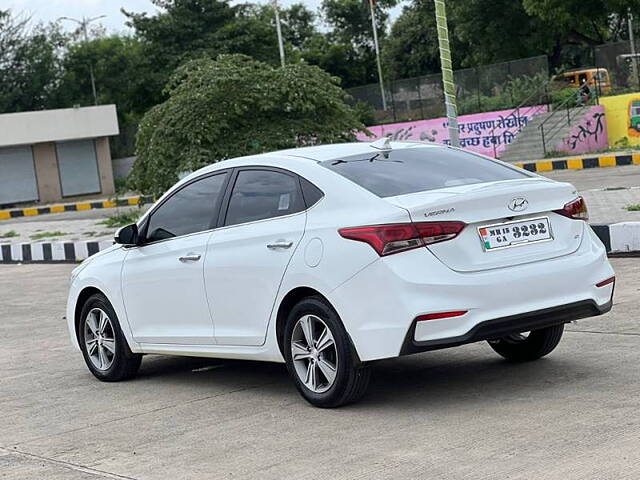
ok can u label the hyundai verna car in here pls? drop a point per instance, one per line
(330, 257)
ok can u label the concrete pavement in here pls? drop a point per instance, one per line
(607, 191)
(458, 414)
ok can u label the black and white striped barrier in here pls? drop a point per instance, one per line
(620, 238)
(50, 252)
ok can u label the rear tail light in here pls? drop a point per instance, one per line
(436, 316)
(394, 238)
(576, 209)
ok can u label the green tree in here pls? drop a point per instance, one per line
(183, 29)
(253, 32)
(583, 22)
(234, 106)
(29, 63)
(412, 46)
(347, 49)
(491, 31)
(188, 29)
(121, 74)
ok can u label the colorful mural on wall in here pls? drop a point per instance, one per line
(623, 118)
(589, 135)
(488, 133)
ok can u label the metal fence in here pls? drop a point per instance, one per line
(618, 60)
(482, 88)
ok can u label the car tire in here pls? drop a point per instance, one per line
(520, 348)
(104, 347)
(311, 369)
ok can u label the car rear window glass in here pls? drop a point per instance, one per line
(411, 170)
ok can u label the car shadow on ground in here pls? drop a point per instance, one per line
(467, 375)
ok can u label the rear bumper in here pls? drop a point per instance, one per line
(379, 304)
(500, 327)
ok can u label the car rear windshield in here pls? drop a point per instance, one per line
(410, 170)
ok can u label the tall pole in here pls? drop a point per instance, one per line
(372, 5)
(279, 30)
(84, 23)
(632, 43)
(93, 78)
(447, 72)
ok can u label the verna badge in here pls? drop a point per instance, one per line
(518, 204)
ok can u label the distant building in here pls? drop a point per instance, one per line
(54, 155)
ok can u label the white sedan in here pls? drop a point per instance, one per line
(330, 257)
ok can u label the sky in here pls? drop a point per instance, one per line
(50, 10)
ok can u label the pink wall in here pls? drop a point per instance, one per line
(589, 135)
(487, 133)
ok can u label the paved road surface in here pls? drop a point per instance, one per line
(455, 414)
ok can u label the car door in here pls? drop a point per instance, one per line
(246, 259)
(162, 279)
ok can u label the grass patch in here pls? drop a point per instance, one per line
(122, 219)
(120, 186)
(41, 235)
(635, 207)
(9, 234)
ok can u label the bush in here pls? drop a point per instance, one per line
(235, 106)
(559, 97)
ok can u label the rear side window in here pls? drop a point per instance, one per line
(310, 192)
(262, 194)
(191, 209)
(410, 170)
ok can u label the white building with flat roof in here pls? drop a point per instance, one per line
(53, 155)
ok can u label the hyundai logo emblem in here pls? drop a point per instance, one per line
(518, 204)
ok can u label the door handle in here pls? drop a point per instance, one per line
(280, 244)
(190, 257)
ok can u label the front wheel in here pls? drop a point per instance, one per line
(523, 347)
(103, 344)
(320, 357)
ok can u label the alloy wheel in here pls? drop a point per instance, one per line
(314, 354)
(99, 339)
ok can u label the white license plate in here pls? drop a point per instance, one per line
(513, 234)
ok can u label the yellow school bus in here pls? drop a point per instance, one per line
(593, 77)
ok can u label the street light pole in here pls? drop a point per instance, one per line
(84, 23)
(447, 72)
(279, 30)
(632, 43)
(372, 5)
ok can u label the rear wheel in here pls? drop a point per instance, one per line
(523, 347)
(320, 357)
(103, 345)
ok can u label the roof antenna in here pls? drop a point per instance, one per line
(383, 143)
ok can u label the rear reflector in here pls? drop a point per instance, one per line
(394, 238)
(436, 316)
(577, 209)
(606, 282)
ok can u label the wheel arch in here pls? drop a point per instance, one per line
(289, 301)
(83, 296)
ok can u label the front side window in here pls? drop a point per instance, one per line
(411, 170)
(262, 194)
(191, 209)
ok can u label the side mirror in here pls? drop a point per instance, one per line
(127, 235)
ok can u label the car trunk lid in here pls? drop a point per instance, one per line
(485, 204)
